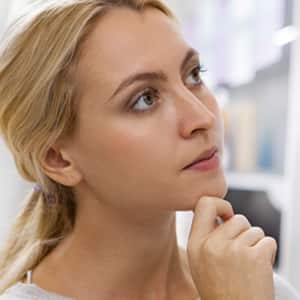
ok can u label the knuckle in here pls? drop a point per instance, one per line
(269, 245)
(271, 241)
(228, 204)
(258, 230)
(242, 221)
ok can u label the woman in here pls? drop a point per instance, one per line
(103, 107)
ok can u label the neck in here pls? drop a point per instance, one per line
(118, 257)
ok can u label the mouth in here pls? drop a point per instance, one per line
(205, 158)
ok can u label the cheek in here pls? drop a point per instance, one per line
(118, 151)
(128, 146)
(134, 160)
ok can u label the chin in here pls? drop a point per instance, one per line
(221, 189)
(218, 193)
(217, 188)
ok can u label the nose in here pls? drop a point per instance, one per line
(195, 114)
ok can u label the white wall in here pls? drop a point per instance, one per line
(4, 6)
(292, 230)
(13, 187)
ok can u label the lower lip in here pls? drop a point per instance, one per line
(206, 165)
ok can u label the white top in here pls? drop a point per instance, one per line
(30, 291)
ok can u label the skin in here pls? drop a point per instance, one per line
(125, 166)
(231, 261)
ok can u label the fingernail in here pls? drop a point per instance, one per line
(219, 220)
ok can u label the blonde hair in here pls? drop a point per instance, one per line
(37, 108)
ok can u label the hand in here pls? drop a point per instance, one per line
(230, 261)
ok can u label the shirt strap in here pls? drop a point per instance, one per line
(28, 276)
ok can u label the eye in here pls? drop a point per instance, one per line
(194, 77)
(145, 101)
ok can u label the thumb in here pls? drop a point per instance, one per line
(206, 211)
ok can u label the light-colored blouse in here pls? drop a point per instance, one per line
(30, 291)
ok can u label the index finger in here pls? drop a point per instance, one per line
(205, 213)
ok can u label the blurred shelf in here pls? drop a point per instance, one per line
(253, 181)
(274, 185)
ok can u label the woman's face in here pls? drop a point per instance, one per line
(143, 115)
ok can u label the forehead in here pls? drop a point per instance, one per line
(125, 41)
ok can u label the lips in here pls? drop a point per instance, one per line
(206, 155)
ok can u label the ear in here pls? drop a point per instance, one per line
(60, 167)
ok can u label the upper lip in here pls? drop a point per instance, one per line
(203, 156)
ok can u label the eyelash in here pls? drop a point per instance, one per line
(155, 93)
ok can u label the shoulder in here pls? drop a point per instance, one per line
(283, 289)
(26, 291)
(10, 297)
(12, 293)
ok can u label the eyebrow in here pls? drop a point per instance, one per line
(152, 76)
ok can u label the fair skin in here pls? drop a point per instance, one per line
(125, 166)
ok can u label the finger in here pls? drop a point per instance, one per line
(250, 236)
(268, 246)
(232, 228)
(205, 213)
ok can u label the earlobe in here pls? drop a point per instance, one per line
(60, 167)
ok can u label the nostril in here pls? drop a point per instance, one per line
(195, 131)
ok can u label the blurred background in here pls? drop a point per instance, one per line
(251, 50)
